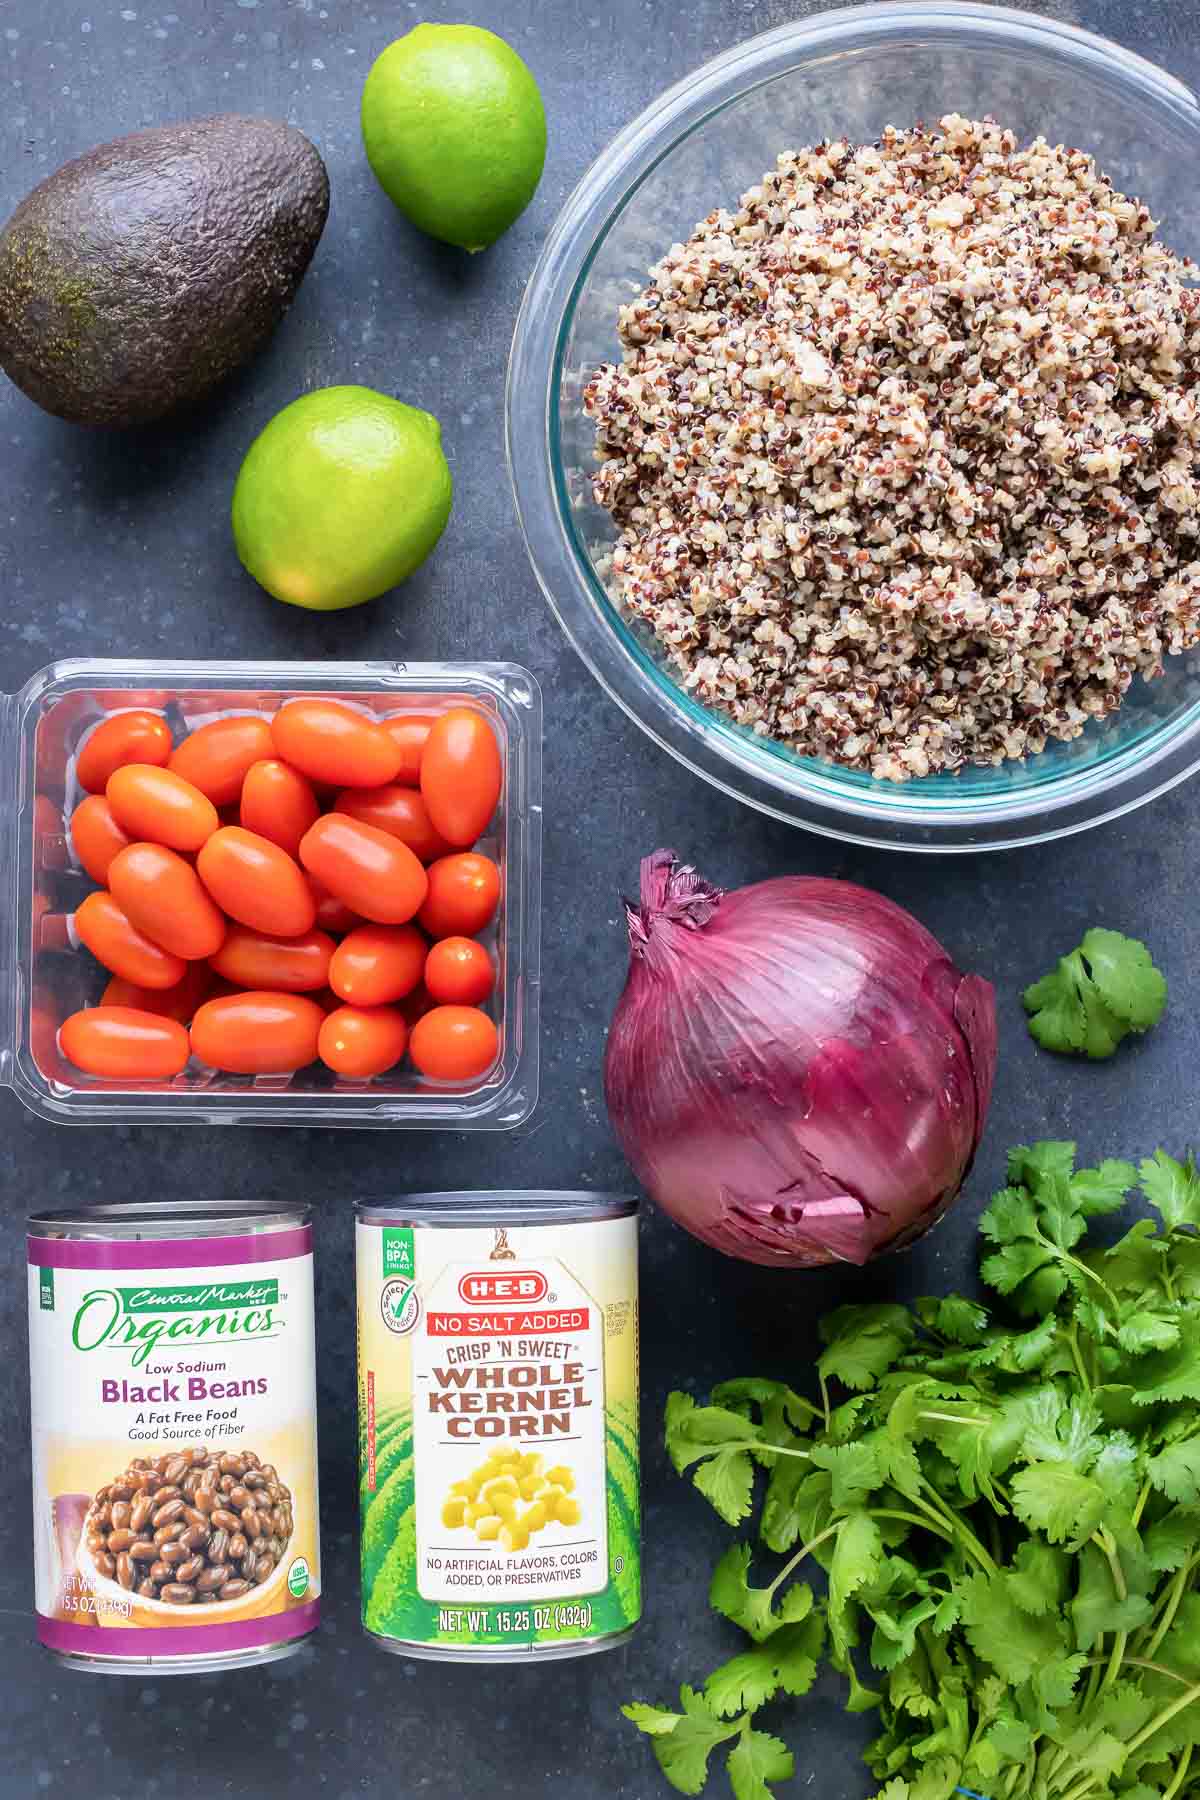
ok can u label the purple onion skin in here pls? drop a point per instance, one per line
(796, 1071)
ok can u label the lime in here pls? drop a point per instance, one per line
(341, 496)
(455, 131)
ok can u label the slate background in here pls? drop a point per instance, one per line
(120, 545)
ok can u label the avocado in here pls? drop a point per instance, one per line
(140, 275)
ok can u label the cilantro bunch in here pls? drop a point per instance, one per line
(1002, 1513)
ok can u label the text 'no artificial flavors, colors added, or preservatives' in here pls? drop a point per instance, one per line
(498, 1424)
(173, 1389)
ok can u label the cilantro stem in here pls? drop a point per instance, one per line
(1116, 1659)
(956, 1419)
(1140, 1662)
(794, 1562)
(1077, 1359)
(824, 1398)
(1065, 1256)
(1106, 1543)
(1142, 1498)
(1164, 1717)
(1175, 1593)
(891, 1512)
(958, 1532)
(1180, 1776)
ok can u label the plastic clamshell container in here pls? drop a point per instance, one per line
(45, 975)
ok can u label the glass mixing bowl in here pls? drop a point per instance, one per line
(846, 73)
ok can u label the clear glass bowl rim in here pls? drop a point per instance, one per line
(895, 817)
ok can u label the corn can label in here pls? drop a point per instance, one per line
(173, 1406)
(498, 1432)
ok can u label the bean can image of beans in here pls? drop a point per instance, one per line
(175, 1473)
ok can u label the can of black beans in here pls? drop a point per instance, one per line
(173, 1410)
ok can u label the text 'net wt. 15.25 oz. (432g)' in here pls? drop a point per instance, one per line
(498, 1424)
(173, 1400)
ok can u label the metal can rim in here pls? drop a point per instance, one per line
(166, 1220)
(512, 1206)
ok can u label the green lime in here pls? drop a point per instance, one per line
(455, 131)
(341, 496)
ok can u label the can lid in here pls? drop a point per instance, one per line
(174, 1219)
(489, 1206)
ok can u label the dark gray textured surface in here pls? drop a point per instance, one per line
(121, 546)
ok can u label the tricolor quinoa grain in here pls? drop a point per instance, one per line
(903, 453)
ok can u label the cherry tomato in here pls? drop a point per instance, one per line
(459, 972)
(410, 731)
(128, 737)
(460, 774)
(96, 836)
(361, 1041)
(259, 1033)
(464, 891)
(159, 807)
(117, 943)
(124, 1043)
(296, 965)
(369, 869)
(256, 883)
(401, 812)
(163, 896)
(278, 803)
(334, 744)
(215, 757)
(378, 963)
(332, 914)
(178, 1003)
(454, 1043)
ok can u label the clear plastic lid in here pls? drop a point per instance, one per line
(45, 975)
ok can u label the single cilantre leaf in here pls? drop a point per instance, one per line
(1172, 1188)
(1167, 1375)
(1175, 1472)
(1097, 1607)
(756, 1759)
(1037, 1580)
(958, 1320)
(750, 1607)
(1103, 1189)
(722, 1442)
(854, 1469)
(1171, 1541)
(1016, 1644)
(863, 1343)
(683, 1741)
(1054, 1499)
(1143, 1328)
(787, 1662)
(1103, 990)
(855, 1561)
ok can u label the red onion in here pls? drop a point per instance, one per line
(797, 1071)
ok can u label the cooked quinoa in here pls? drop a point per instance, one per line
(903, 453)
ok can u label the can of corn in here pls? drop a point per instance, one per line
(498, 1424)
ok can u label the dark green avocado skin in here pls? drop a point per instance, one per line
(136, 278)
